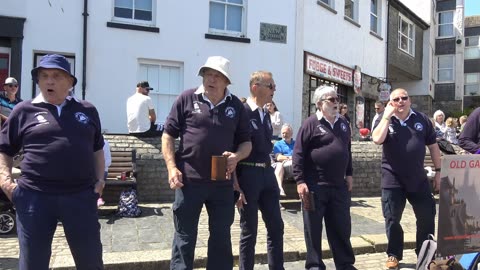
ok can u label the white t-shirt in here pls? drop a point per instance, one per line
(138, 107)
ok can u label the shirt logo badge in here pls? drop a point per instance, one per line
(196, 107)
(418, 126)
(81, 117)
(41, 119)
(322, 130)
(253, 122)
(230, 112)
(343, 127)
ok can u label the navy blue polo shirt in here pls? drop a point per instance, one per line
(470, 137)
(404, 152)
(322, 154)
(261, 134)
(205, 131)
(58, 149)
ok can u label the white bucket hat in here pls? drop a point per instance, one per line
(218, 63)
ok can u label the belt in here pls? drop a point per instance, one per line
(255, 164)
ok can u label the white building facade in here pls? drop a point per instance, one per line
(113, 44)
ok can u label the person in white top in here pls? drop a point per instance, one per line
(141, 115)
(440, 128)
(108, 161)
(276, 118)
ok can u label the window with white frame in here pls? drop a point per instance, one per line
(227, 17)
(445, 24)
(351, 9)
(375, 24)
(472, 84)
(472, 47)
(445, 68)
(134, 11)
(406, 35)
(166, 79)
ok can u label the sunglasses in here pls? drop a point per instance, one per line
(12, 85)
(332, 99)
(270, 85)
(398, 99)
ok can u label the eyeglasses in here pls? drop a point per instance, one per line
(270, 85)
(376, 109)
(332, 99)
(398, 99)
(12, 85)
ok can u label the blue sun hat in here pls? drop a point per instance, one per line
(53, 61)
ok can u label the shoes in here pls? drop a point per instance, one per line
(100, 202)
(392, 263)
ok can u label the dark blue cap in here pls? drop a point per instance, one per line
(53, 61)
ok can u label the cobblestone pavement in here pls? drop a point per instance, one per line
(132, 241)
(372, 261)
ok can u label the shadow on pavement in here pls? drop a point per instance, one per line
(8, 263)
(360, 203)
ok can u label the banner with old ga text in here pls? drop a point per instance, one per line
(459, 209)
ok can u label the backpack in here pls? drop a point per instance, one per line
(450, 264)
(427, 253)
(128, 204)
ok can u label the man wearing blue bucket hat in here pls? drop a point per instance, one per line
(62, 169)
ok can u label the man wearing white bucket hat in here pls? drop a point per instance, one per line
(210, 122)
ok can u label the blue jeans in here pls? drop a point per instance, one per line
(393, 204)
(189, 200)
(37, 216)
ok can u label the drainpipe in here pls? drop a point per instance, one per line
(387, 43)
(84, 64)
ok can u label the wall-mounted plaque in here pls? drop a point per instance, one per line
(273, 32)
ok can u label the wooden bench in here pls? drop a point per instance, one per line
(123, 163)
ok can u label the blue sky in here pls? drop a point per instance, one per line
(472, 7)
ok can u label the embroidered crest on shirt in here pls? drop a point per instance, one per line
(343, 127)
(196, 107)
(230, 112)
(322, 130)
(390, 129)
(418, 126)
(253, 122)
(81, 117)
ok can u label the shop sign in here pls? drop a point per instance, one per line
(328, 70)
(384, 96)
(357, 80)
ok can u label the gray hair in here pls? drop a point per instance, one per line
(286, 125)
(323, 91)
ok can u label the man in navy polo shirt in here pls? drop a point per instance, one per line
(404, 133)
(209, 121)
(322, 167)
(62, 169)
(257, 179)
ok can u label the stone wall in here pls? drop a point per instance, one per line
(367, 158)
(152, 173)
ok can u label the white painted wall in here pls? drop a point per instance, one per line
(330, 36)
(113, 54)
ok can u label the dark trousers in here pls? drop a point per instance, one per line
(189, 200)
(262, 193)
(333, 205)
(154, 131)
(37, 216)
(393, 204)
